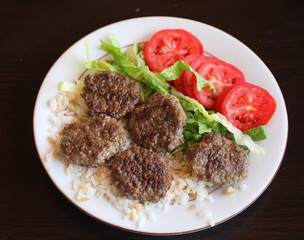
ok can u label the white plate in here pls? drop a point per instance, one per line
(177, 219)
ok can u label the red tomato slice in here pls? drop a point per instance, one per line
(199, 44)
(168, 46)
(220, 98)
(246, 106)
(178, 84)
(221, 74)
(195, 62)
(205, 96)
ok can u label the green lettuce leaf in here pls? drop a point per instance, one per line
(197, 125)
(195, 104)
(258, 133)
(240, 138)
(100, 66)
(70, 87)
(134, 53)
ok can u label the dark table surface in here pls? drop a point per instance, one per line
(35, 33)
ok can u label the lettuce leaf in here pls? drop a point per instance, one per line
(258, 133)
(197, 125)
(240, 138)
(70, 87)
(100, 66)
(192, 102)
(134, 53)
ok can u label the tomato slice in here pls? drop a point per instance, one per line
(168, 46)
(178, 84)
(246, 106)
(221, 74)
(205, 96)
(220, 98)
(195, 62)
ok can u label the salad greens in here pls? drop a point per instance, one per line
(239, 137)
(199, 120)
(70, 87)
(257, 133)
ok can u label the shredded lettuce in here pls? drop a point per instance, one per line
(258, 133)
(240, 138)
(134, 53)
(145, 93)
(197, 124)
(192, 102)
(70, 87)
(114, 41)
(179, 148)
(100, 66)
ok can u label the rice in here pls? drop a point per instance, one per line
(88, 182)
(205, 213)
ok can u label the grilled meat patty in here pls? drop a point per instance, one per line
(158, 123)
(140, 174)
(110, 93)
(92, 140)
(218, 160)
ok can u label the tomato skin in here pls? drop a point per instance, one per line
(168, 46)
(220, 73)
(205, 96)
(178, 84)
(195, 62)
(246, 105)
(181, 83)
(219, 99)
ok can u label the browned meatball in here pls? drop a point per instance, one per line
(218, 160)
(110, 93)
(140, 174)
(158, 123)
(92, 141)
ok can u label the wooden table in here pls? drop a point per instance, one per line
(35, 33)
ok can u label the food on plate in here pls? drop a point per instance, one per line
(158, 123)
(246, 106)
(194, 60)
(218, 160)
(140, 174)
(110, 93)
(220, 73)
(168, 46)
(91, 140)
(180, 83)
(132, 138)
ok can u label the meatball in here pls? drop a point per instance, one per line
(92, 140)
(110, 93)
(140, 174)
(218, 160)
(158, 123)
